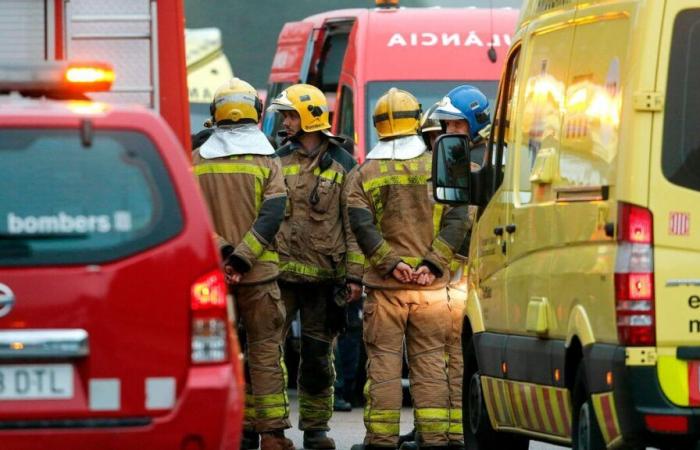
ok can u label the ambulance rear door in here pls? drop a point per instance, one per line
(674, 196)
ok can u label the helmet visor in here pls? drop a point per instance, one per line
(447, 111)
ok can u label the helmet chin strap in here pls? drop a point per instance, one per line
(286, 137)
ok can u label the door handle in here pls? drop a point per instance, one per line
(510, 228)
(498, 231)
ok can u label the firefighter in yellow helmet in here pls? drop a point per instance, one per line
(409, 241)
(430, 128)
(320, 263)
(243, 185)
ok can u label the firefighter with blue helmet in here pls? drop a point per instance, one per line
(465, 110)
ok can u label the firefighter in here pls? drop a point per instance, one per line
(244, 188)
(317, 249)
(430, 128)
(464, 110)
(409, 241)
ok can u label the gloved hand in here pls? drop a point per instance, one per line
(337, 310)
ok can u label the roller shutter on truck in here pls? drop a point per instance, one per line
(22, 30)
(124, 34)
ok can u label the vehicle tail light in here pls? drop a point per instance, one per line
(634, 276)
(211, 330)
(666, 423)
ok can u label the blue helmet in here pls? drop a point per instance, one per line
(468, 103)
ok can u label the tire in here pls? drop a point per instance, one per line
(586, 434)
(478, 433)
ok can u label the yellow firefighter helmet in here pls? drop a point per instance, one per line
(308, 101)
(236, 101)
(428, 123)
(397, 113)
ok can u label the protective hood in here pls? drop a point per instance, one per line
(403, 148)
(230, 140)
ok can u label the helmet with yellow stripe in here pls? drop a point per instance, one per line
(308, 101)
(396, 114)
(236, 101)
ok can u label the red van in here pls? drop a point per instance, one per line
(115, 325)
(355, 55)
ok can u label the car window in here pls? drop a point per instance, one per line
(346, 119)
(65, 203)
(681, 147)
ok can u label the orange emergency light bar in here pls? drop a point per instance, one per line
(90, 77)
(386, 3)
(57, 78)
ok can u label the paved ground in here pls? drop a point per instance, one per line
(347, 427)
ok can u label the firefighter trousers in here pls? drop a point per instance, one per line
(262, 313)
(316, 374)
(419, 317)
(455, 363)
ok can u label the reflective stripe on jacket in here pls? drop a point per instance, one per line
(246, 198)
(394, 218)
(312, 241)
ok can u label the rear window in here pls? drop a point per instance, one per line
(64, 203)
(681, 150)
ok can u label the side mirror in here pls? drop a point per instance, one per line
(452, 169)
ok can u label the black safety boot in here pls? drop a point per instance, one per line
(339, 404)
(409, 445)
(408, 437)
(318, 440)
(370, 447)
(250, 440)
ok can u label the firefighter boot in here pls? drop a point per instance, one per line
(275, 440)
(370, 447)
(317, 440)
(250, 440)
(408, 437)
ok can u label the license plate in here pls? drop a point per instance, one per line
(32, 382)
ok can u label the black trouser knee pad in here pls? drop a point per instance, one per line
(316, 372)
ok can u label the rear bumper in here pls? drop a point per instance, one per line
(637, 393)
(209, 413)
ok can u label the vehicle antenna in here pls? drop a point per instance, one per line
(491, 51)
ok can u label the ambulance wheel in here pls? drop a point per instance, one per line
(478, 432)
(586, 431)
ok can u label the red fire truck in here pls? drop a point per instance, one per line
(355, 55)
(142, 39)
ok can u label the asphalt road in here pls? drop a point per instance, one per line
(347, 427)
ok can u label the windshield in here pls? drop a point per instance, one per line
(427, 93)
(65, 203)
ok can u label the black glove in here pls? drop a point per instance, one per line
(337, 310)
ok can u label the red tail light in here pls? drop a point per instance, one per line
(666, 424)
(634, 277)
(211, 329)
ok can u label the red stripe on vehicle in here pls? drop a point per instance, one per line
(536, 407)
(694, 382)
(607, 414)
(526, 409)
(550, 413)
(503, 402)
(565, 417)
(491, 398)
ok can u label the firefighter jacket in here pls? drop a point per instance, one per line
(314, 242)
(394, 218)
(246, 198)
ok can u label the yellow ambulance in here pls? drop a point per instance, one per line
(582, 322)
